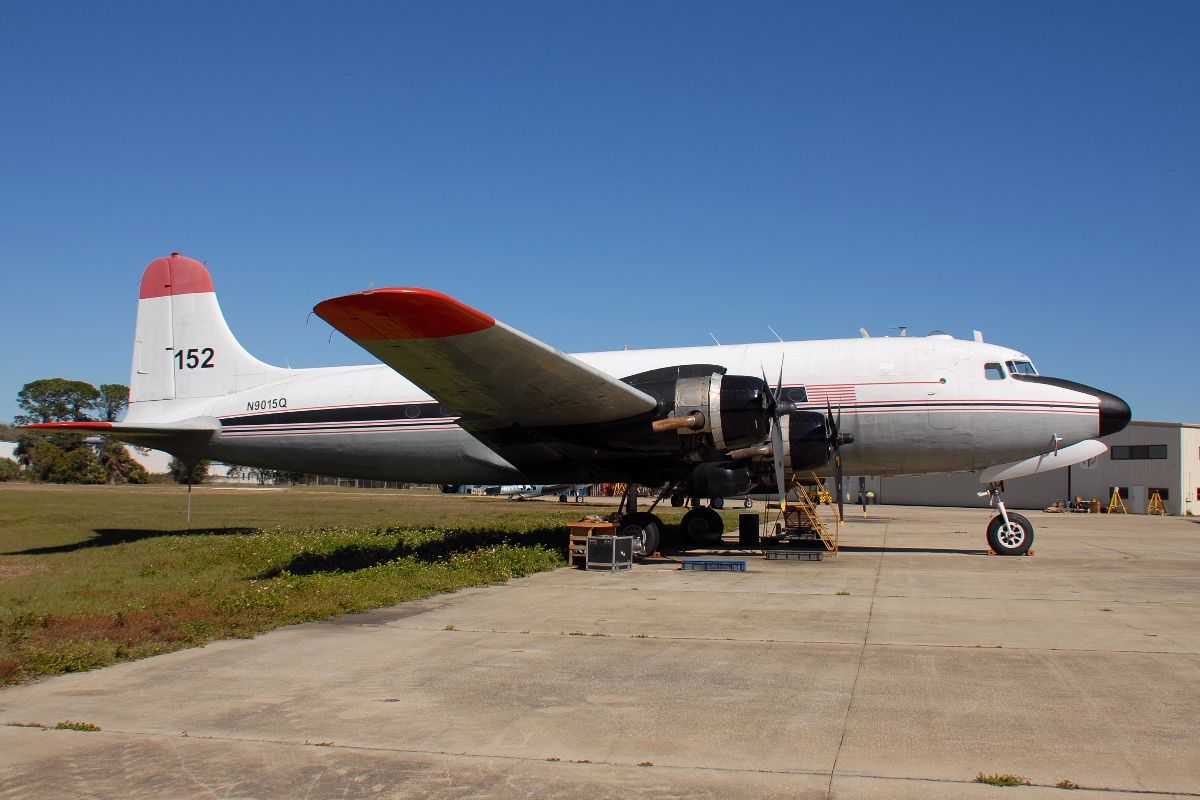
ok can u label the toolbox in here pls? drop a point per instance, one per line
(609, 553)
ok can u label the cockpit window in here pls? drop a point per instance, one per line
(1021, 368)
(993, 372)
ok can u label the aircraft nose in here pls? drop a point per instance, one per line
(1114, 413)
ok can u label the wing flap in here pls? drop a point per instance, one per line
(491, 374)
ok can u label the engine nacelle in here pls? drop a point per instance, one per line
(707, 411)
(807, 440)
(718, 479)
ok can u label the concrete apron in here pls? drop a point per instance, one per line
(1081, 663)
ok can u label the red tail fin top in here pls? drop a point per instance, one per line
(174, 275)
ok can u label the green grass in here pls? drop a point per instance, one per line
(93, 575)
(1002, 780)
(65, 725)
(68, 725)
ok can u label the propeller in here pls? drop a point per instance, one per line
(778, 408)
(836, 439)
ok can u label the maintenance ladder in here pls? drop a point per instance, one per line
(802, 522)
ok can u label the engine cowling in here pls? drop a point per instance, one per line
(807, 440)
(718, 479)
(703, 411)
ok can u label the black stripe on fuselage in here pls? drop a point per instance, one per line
(415, 412)
(402, 412)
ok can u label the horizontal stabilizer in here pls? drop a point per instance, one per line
(121, 430)
(1063, 457)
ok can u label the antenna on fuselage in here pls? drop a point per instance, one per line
(714, 338)
(864, 333)
(978, 336)
(772, 330)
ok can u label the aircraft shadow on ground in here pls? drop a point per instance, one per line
(341, 559)
(861, 548)
(356, 556)
(107, 537)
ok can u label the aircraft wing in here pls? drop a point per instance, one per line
(489, 373)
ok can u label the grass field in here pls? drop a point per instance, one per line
(92, 575)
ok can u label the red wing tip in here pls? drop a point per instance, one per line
(401, 313)
(68, 426)
(175, 274)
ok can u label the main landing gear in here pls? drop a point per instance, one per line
(645, 528)
(1007, 534)
(700, 525)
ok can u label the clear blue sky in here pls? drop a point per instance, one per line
(610, 174)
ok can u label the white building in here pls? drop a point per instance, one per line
(1143, 458)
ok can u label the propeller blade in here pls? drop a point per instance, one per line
(837, 479)
(777, 458)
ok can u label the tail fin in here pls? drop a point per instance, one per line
(184, 348)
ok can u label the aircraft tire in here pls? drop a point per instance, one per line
(1015, 541)
(646, 530)
(677, 500)
(702, 526)
(717, 503)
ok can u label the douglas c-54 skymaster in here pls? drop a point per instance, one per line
(464, 399)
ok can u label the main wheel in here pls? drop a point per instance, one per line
(646, 530)
(1013, 539)
(702, 525)
(677, 500)
(717, 503)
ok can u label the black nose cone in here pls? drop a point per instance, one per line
(1114, 413)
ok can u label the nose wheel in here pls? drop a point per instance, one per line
(1007, 534)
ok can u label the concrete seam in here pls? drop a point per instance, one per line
(833, 642)
(862, 654)
(607, 763)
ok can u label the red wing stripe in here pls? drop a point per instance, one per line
(390, 314)
(71, 426)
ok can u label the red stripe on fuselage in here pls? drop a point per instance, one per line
(391, 314)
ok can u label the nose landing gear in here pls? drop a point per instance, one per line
(1007, 534)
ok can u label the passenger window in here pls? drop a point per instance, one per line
(993, 372)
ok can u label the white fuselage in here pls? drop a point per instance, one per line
(913, 405)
